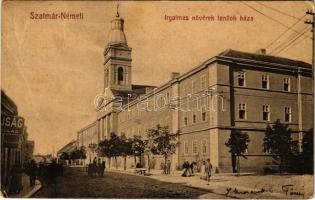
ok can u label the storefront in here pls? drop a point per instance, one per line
(12, 128)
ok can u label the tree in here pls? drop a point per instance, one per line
(64, 156)
(137, 147)
(93, 148)
(82, 152)
(79, 153)
(238, 143)
(115, 143)
(124, 148)
(279, 143)
(149, 146)
(111, 147)
(308, 151)
(163, 142)
(104, 150)
(74, 155)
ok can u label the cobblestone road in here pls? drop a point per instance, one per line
(76, 184)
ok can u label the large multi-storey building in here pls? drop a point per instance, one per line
(231, 91)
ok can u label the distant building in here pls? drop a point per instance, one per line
(233, 90)
(67, 149)
(39, 158)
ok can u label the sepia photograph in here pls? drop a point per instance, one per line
(157, 99)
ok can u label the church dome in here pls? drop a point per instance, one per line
(116, 34)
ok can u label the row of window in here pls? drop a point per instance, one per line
(160, 102)
(241, 82)
(141, 129)
(203, 117)
(264, 82)
(265, 113)
(195, 147)
(194, 85)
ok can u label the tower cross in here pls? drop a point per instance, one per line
(117, 15)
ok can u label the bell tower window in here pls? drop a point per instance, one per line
(120, 75)
(117, 58)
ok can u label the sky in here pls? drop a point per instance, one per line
(53, 69)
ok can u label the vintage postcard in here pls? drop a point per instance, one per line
(157, 99)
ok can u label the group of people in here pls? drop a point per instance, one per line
(204, 166)
(44, 172)
(96, 168)
(189, 168)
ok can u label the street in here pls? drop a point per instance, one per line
(76, 184)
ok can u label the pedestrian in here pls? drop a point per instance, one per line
(163, 167)
(99, 167)
(186, 168)
(168, 167)
(15, 185)
(95, 160)
(32, 172)
(102, 168)
(89, 169)
(40, 174)
(94, 168)
(202, 168)
(53, 171)
(208, 168)
(191, 166)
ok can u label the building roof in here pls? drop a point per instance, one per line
(230, 53)
(136, 91)
(116, 34)
(8, 106)
(71, 146)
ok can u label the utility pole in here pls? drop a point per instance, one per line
(311, 12)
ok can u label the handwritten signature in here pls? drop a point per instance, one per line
(254, 191)
(288, 189)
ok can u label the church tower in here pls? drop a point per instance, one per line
(117, 56)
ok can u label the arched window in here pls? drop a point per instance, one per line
(120, 74)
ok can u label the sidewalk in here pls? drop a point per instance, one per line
(27, 191)
(247, 185)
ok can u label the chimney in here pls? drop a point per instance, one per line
(261, 51)
(174, 75)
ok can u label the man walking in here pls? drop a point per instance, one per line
(208, 168)
(32, 172)
(168, 167)
(102, 168)
(40, 174)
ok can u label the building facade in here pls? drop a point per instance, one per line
(27, 151)
(232, 91)
(15, 148)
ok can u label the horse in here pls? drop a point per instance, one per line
(94, 169)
